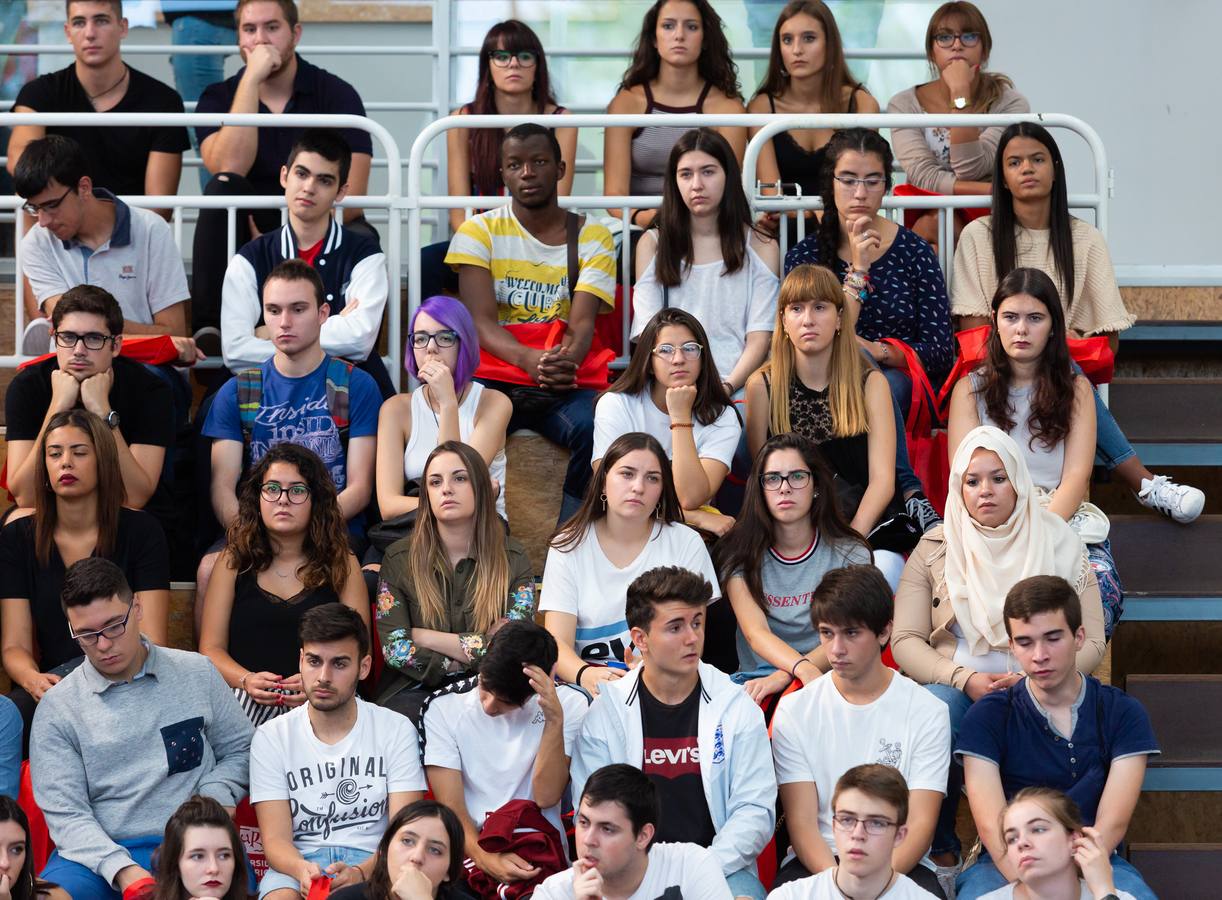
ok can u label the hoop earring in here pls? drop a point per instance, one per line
(603, 497)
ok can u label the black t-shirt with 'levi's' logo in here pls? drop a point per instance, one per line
(672, 761)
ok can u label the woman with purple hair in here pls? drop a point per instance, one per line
(443, 352)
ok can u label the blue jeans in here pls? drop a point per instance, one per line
(274, 881)
(983, 877)
(195, 72)
(746, 883)
(82, 883)
(567, 419)
(945, 840)
(1111, 446)
(11, 728)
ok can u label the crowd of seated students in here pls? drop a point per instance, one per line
(643, 696)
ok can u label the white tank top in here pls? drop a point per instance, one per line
(423, 439)
(1045, 463)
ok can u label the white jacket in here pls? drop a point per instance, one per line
(735, 758)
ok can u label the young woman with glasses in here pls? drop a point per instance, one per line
(672, 391)
(789, 535)
(286, 552)
(78, 512)
(817, 385)
(956, 160)
(442, 352)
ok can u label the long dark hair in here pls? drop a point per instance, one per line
(24, 884)
(202, 812)
(863, 141)
(711, 396)
(1052, 394)
(109, 495)
(674, 219)
(743, 547)
(326, 539)
(380, 881)
(716, 64)
(485, 143)
(835, 76)
(593, 507)
(1003, 221)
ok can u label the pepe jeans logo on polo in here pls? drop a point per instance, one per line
(127, 273)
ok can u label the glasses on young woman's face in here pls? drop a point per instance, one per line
(797, 479)
(946, 39)
(110, 632)
(872, 183)
(690, 350)
(297, 493)
(848, 823)
(444, 339)
(93, 340)
(502, 58)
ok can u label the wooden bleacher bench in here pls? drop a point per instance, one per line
(1180, 871)
(1171, 421)
(1170, 572)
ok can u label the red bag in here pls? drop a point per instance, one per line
(1093, 354)
(928, 450)
(970, 214)
(154, 349)
(592, 373)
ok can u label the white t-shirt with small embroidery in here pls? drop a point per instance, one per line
(823, 887)
(583, 582)
(1007, 893)
(680, 871)
(817, 736)
(619, 414)
(496, 754)
(338, 794)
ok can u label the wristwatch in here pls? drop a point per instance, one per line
(960, 102)
(112, 419)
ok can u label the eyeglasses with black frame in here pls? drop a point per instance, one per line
(111, 632)
(797, 479)
(946, 39)
(33, 209)
(502, 58)
(689, 349)
(93, 340)
(848, 823)
(297, 493)
(445, 339)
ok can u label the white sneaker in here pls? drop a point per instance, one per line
(1177, 501)
(36, 340)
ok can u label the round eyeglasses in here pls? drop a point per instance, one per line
(297, 493)
(946, 39)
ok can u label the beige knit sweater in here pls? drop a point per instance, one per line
(1096, 308)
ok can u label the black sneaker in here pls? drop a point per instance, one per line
(922, 512)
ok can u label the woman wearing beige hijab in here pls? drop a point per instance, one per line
(949, 632)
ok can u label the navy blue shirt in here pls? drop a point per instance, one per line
(908, 302)
(315, 91)
(1010, 728)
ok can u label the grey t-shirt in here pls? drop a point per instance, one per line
(788, 585)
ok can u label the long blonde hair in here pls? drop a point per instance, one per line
(429, 563)
(847, 396)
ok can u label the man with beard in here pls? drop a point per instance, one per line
(327, 777)
(535, 277)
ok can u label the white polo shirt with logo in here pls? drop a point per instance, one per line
(140, 264)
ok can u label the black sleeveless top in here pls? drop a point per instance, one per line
(263, 626)
(796, 164)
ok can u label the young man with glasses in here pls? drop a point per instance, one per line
(86, 371)
(869, 816)
(515, 264)
(694, 732)
(246, 161)
(125, 738)
(84, 234)
(301, 395)
(860, 712)
(350, 263)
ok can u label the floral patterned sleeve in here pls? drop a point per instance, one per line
(521, 605)
(393, 618)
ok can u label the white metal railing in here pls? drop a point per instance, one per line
(391, 201)
(416, 201)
